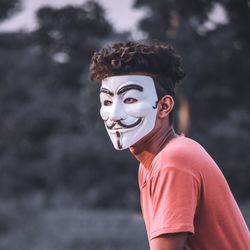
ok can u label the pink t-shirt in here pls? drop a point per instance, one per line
(185, 191)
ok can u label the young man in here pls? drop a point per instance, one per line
(185, 200)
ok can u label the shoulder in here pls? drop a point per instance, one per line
(182, 146)
(183, 154)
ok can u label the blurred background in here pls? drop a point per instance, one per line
(62, 185)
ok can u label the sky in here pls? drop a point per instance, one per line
(120, 13)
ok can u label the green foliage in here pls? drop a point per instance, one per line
(217, 84)
(69, 36)
(52, 139)
(9, 7)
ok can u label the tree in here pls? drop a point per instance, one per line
(216, 59)
(69, 36)
(9, 7)
(52, 138)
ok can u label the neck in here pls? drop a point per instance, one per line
(146, 150)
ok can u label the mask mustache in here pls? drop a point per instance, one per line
(124, 125)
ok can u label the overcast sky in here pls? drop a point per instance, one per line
(119, 12)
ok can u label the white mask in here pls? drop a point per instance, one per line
(129, 108)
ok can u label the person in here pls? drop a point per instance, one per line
(185, 199)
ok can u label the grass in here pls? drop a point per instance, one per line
(29, 224)
(26, 226)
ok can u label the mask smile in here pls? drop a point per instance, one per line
(122, 125)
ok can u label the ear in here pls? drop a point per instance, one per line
(165, 106)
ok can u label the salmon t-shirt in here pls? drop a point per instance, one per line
(184, 191)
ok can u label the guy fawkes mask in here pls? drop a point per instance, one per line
(128, 108)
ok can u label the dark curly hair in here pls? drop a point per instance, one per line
(158, 60)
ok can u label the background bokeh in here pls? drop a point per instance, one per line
(62, 185)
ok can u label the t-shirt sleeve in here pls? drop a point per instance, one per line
(174, 199)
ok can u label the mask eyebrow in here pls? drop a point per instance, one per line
(129, 87)
(106, 91)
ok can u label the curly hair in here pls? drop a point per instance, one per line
(132, 57)
(158, 60)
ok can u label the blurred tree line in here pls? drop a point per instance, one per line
(52, 138)
(217, 60)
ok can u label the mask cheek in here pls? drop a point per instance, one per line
(138, 109)
(104, 112)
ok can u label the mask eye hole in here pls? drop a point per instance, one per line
(107, 103)
(130, 100)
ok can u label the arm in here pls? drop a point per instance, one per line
(174, 241)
